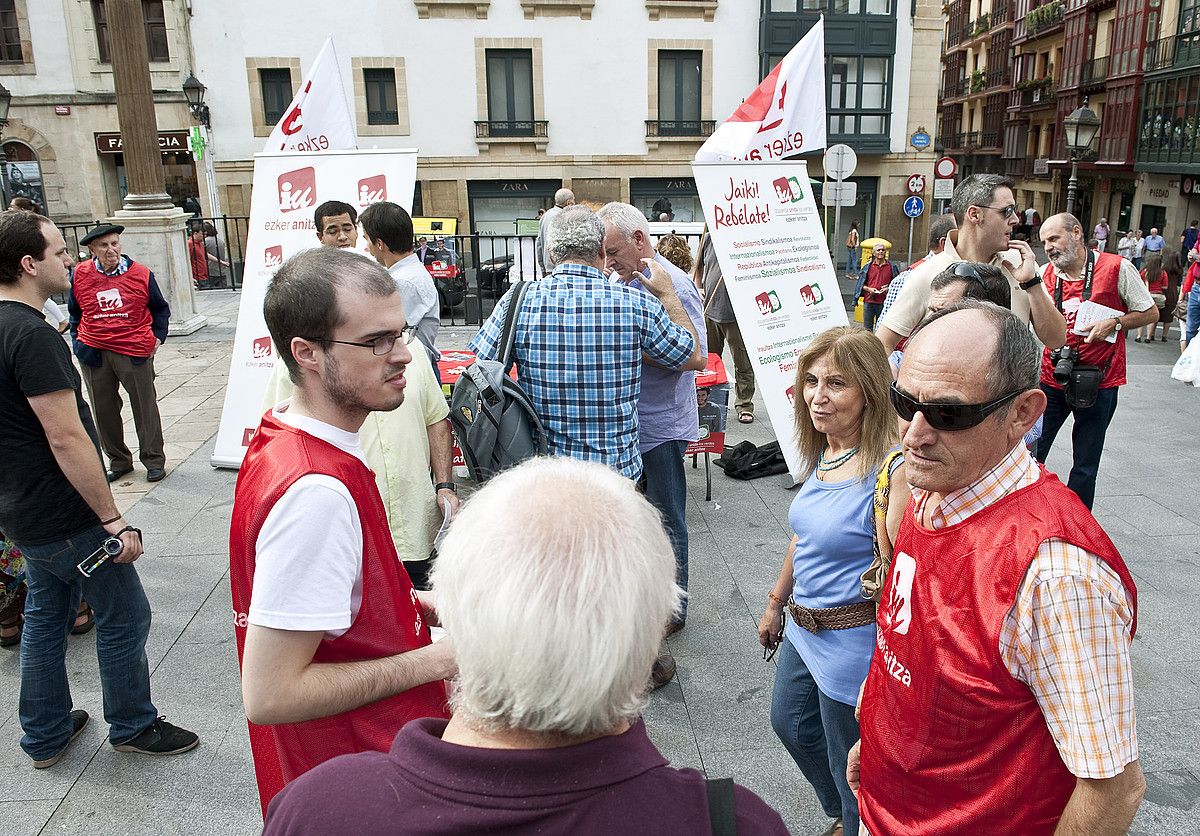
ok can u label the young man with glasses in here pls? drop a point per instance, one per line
(987, 214)
(334, 642)
(1007, 617)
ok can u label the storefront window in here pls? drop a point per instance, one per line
(673, 197)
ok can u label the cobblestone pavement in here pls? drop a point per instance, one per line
(713, 717)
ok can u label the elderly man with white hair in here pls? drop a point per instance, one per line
(562, 199)
(667, 417)
(546, 735)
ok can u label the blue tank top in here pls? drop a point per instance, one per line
(834, 526)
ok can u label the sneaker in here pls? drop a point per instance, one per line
(79, 719)
(162, 738)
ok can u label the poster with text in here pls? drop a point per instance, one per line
(287, 190)
(767, 233)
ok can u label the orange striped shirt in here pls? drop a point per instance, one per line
(1067, 635)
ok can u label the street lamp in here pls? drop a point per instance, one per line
(194, 91)
(1080, 129)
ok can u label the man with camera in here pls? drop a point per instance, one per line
(1082, 377)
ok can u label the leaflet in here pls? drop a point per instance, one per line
(1089, 314)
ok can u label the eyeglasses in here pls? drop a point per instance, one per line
(950, 417)
(380, 346)
(1009, 211)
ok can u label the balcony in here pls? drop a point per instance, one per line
(955, 88)
(504, 130)
(1045, 17)
(997, 78)
(1036, 98)
(1094, 74)
(1001, 13)
(1159, 55)
(952, 141)
(1017, 167)
(976, 82)
(974, 141)
(679, 129)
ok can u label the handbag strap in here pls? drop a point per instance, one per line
(877, 573)
(722, 813)
(508, 336)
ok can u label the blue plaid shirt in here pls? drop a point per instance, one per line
(579, 345)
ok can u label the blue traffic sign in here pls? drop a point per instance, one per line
(920, 140)
(914, 207)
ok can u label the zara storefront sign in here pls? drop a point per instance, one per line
(168, 141)
(766, 230)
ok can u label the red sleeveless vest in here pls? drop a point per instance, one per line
(951, 742)
(388, 622)
(115, 309)
(1104, 292)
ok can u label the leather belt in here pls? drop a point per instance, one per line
(833, 618)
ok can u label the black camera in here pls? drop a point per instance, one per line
(1064, 360)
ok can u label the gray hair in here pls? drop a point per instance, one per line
(1017, 363)
(563, 196)
(940, 227)
(988, 283)
(557, 622)
(575, 233)
(976, 190)
(626, 219)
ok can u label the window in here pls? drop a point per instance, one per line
(510, 92)
(276, 83)
(10, 32)
(859, 94)
(679, 92)
(380, 84)
(156, 30)
(861, 7)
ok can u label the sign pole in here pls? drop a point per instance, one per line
(837, 221)
(911, 221)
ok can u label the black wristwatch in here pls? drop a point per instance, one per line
(1036, 280)
(449, 486)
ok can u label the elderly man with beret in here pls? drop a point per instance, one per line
(118, 320)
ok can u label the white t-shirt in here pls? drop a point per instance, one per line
(308, 555)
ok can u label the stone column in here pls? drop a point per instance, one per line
(154, 228)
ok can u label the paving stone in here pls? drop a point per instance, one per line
(770, 772)
(26, 817)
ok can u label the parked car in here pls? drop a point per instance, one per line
(450, 282)
(493, 274)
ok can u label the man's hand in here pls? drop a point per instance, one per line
(446, 495)
(658, 282)
(428, 603)
(852, 763)
(1027, 268)
(438, 658)
(131, 540)
(1101, 330)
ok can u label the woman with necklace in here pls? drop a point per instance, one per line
(825, 630)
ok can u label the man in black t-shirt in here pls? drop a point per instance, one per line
(55, 504)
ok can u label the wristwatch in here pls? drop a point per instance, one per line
(1120, 327)
(449, 486)
(1036, 280)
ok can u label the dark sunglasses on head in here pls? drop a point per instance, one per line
(947, 416)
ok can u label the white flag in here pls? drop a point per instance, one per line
(319, 117)
(785, 115)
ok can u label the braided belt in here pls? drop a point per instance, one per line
(833, 618)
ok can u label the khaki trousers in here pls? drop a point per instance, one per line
(720, 333)
(117, 370)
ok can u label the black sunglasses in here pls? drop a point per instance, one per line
(1009, 211)
(947, 416)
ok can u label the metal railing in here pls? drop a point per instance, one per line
(998, 77)
(1095, 72)
(520, 127)
(679, 127)
(1038, 97)
(989, 139)
(225, 238)
(1159, 55)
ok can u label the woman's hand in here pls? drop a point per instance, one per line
(770, 626)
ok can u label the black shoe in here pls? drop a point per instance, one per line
(673, 628)
(162, 738)
(114, 474)
(663, 671)
(156, 474)
(79, 719)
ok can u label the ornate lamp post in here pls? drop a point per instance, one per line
(194, 91)
(1080, 129)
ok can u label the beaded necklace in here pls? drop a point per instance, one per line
(826, 465)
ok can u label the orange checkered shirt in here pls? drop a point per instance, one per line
(1067, 635)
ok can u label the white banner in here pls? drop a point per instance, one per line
(287, 190)
(784, 115)
(767, 234)
(319, 117)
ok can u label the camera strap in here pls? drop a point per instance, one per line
(1088, 269)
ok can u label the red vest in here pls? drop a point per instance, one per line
(951, 742)
(389, 618)
(1104, 292)
(115, 309)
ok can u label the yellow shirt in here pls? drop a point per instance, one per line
(397, 448)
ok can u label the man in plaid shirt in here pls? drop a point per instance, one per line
(580, 340)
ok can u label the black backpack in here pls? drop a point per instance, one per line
(746, 461)
(495, 421)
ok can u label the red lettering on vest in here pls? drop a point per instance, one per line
(951, 742)
(388, 622)
(115, 310)
(1106, 355)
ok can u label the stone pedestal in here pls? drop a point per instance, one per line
(156, 238)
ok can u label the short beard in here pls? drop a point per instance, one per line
(344, 397)
(1068, 258)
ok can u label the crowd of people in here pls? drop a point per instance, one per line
(925, 666)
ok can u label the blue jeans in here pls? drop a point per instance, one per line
(871, 313)
(852, 260)
(665, 485)
(818, 732)
(1087, 436)
(122, 624)
(1193, 314)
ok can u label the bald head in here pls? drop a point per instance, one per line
(564, 197)
(1062, 236)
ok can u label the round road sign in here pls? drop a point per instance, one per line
(945, 168)
(914, 207)
(840, 162)
(916, 184)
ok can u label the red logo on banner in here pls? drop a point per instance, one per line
(791, 396)
(297, 189)
(273, 256)
(261, 348)
(247, 434)
(372, 190)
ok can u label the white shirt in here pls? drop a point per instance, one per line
(308, 555)
(420, 298)
(1139, 248)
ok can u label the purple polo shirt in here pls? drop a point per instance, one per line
(620, 784)
(667, 406)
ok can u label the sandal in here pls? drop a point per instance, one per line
(745, 418)
(1137, 339)
(89, 620)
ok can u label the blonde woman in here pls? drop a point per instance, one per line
(676, 250)
(846, 432)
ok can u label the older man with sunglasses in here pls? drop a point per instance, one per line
(987, 214)
(1001, 697)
